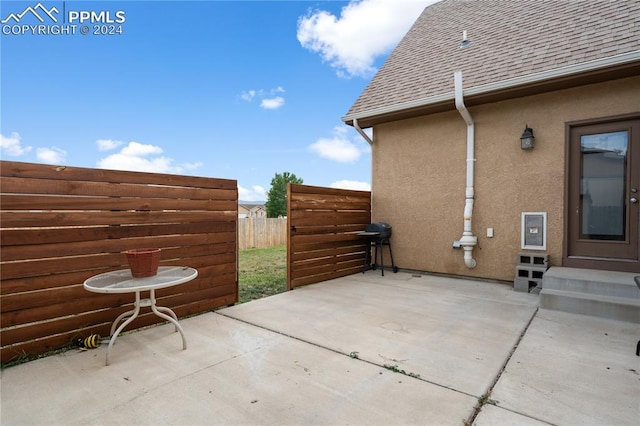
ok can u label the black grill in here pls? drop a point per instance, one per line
(382, 229)
(377, 235)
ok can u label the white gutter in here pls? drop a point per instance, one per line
(468, 240)
(362, 133)
(568, 70)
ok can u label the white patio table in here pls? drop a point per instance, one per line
(123, 282)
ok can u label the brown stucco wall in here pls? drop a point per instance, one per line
(419, 171)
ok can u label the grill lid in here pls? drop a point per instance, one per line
(384, 229)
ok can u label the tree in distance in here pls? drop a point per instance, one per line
(276, 204)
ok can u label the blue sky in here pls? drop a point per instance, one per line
(236, 89)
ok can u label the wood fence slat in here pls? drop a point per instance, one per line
(325, 238)
(15, 253)
(329, 217)
(66, 173)
(43, 329)
(327, 267)
(328, 229)
(25, 185)
(327, 260)
(45, 202)
(74, 218)
(44, 313)
(306, 255)
(330, 205)
(327, 193)
(312, 279)
(50, 235)
(315, 247)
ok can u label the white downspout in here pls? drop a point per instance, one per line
(370, 142)
(468, 240)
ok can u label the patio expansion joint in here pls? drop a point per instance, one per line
(383, 366)
(485, 398)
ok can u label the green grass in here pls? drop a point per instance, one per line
(261, 272)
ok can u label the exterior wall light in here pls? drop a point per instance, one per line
(527, 138)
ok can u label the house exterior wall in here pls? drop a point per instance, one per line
(419, 171)
(243, 212)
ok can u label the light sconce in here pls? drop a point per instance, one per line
(527, 138)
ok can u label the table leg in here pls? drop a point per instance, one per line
(172, 318)
(120, 318)
(169, 312)
(135, 312)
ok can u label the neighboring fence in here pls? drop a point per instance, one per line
(323, 243)
(260, 232)
(61, 225)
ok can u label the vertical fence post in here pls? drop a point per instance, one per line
(289, 231)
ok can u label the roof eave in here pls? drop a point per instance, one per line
(609, 68)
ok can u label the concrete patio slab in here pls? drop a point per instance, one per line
(316, 355)
(574, 369)
(451, 332)
(231, 373)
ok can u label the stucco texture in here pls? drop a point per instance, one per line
(419, 176)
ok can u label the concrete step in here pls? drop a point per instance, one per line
(606, 294)
(591, 281)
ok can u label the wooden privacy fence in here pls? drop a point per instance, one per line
(323, 240)
(62, 225)
(259, 232)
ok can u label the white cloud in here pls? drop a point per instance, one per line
(256, 193)
(140, 157)
(193, 166)
(339, 147)
(136, 149)
(351, 184)
(268, 98)
(272, 103)
(12, 145)
(51, 155)
(107, 144)
(248, 95)
(364, 30)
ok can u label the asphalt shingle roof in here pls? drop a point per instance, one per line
(509, 38)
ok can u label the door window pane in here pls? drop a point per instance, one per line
(602, 192)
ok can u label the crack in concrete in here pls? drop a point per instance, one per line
(485, 398)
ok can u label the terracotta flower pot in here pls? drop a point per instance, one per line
(143, 262)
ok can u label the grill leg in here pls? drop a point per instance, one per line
(381, 257)
(370, 257)
(367, 256)
(393, 264)
(375, 258)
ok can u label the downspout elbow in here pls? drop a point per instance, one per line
(469, 261)
(362, 133)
